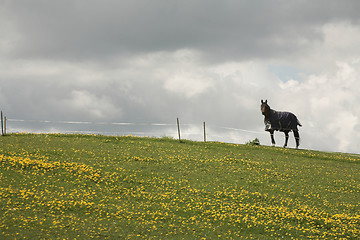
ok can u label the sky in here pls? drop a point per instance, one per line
(113, 62)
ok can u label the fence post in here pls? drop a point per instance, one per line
(178, 125)
(204, 133)
(2, 124)
(5, 125)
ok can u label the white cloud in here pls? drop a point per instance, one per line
(341, 38)
(88, 103)
(187, 84)
(181, 72)
(327, 105)
(339, 43)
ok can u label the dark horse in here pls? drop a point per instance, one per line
(280, 121)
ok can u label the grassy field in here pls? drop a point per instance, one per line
(83, 187)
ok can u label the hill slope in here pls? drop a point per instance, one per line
(76, 186)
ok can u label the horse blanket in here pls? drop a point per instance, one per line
(281, 121)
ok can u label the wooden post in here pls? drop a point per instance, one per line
(5, 125)
(204, 133)
(2, 124)
(178, 125)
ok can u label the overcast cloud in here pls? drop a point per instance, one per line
(152, 61)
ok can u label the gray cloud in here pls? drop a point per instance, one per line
(222, 30)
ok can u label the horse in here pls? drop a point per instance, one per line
(280, 121)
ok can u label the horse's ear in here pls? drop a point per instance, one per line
(266, 101)
(262, 101)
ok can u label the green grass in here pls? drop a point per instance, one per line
(83, 187)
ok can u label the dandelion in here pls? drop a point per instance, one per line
(99, 187)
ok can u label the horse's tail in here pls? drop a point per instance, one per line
(298, 122)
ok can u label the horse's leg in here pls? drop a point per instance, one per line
(272, 137)
(297, 138)
(286, 138)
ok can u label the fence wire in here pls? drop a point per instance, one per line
(188, 131)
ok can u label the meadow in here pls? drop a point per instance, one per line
(97, 187)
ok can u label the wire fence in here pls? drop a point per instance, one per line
(190, 131)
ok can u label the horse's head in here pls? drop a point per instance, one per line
(265, 108)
